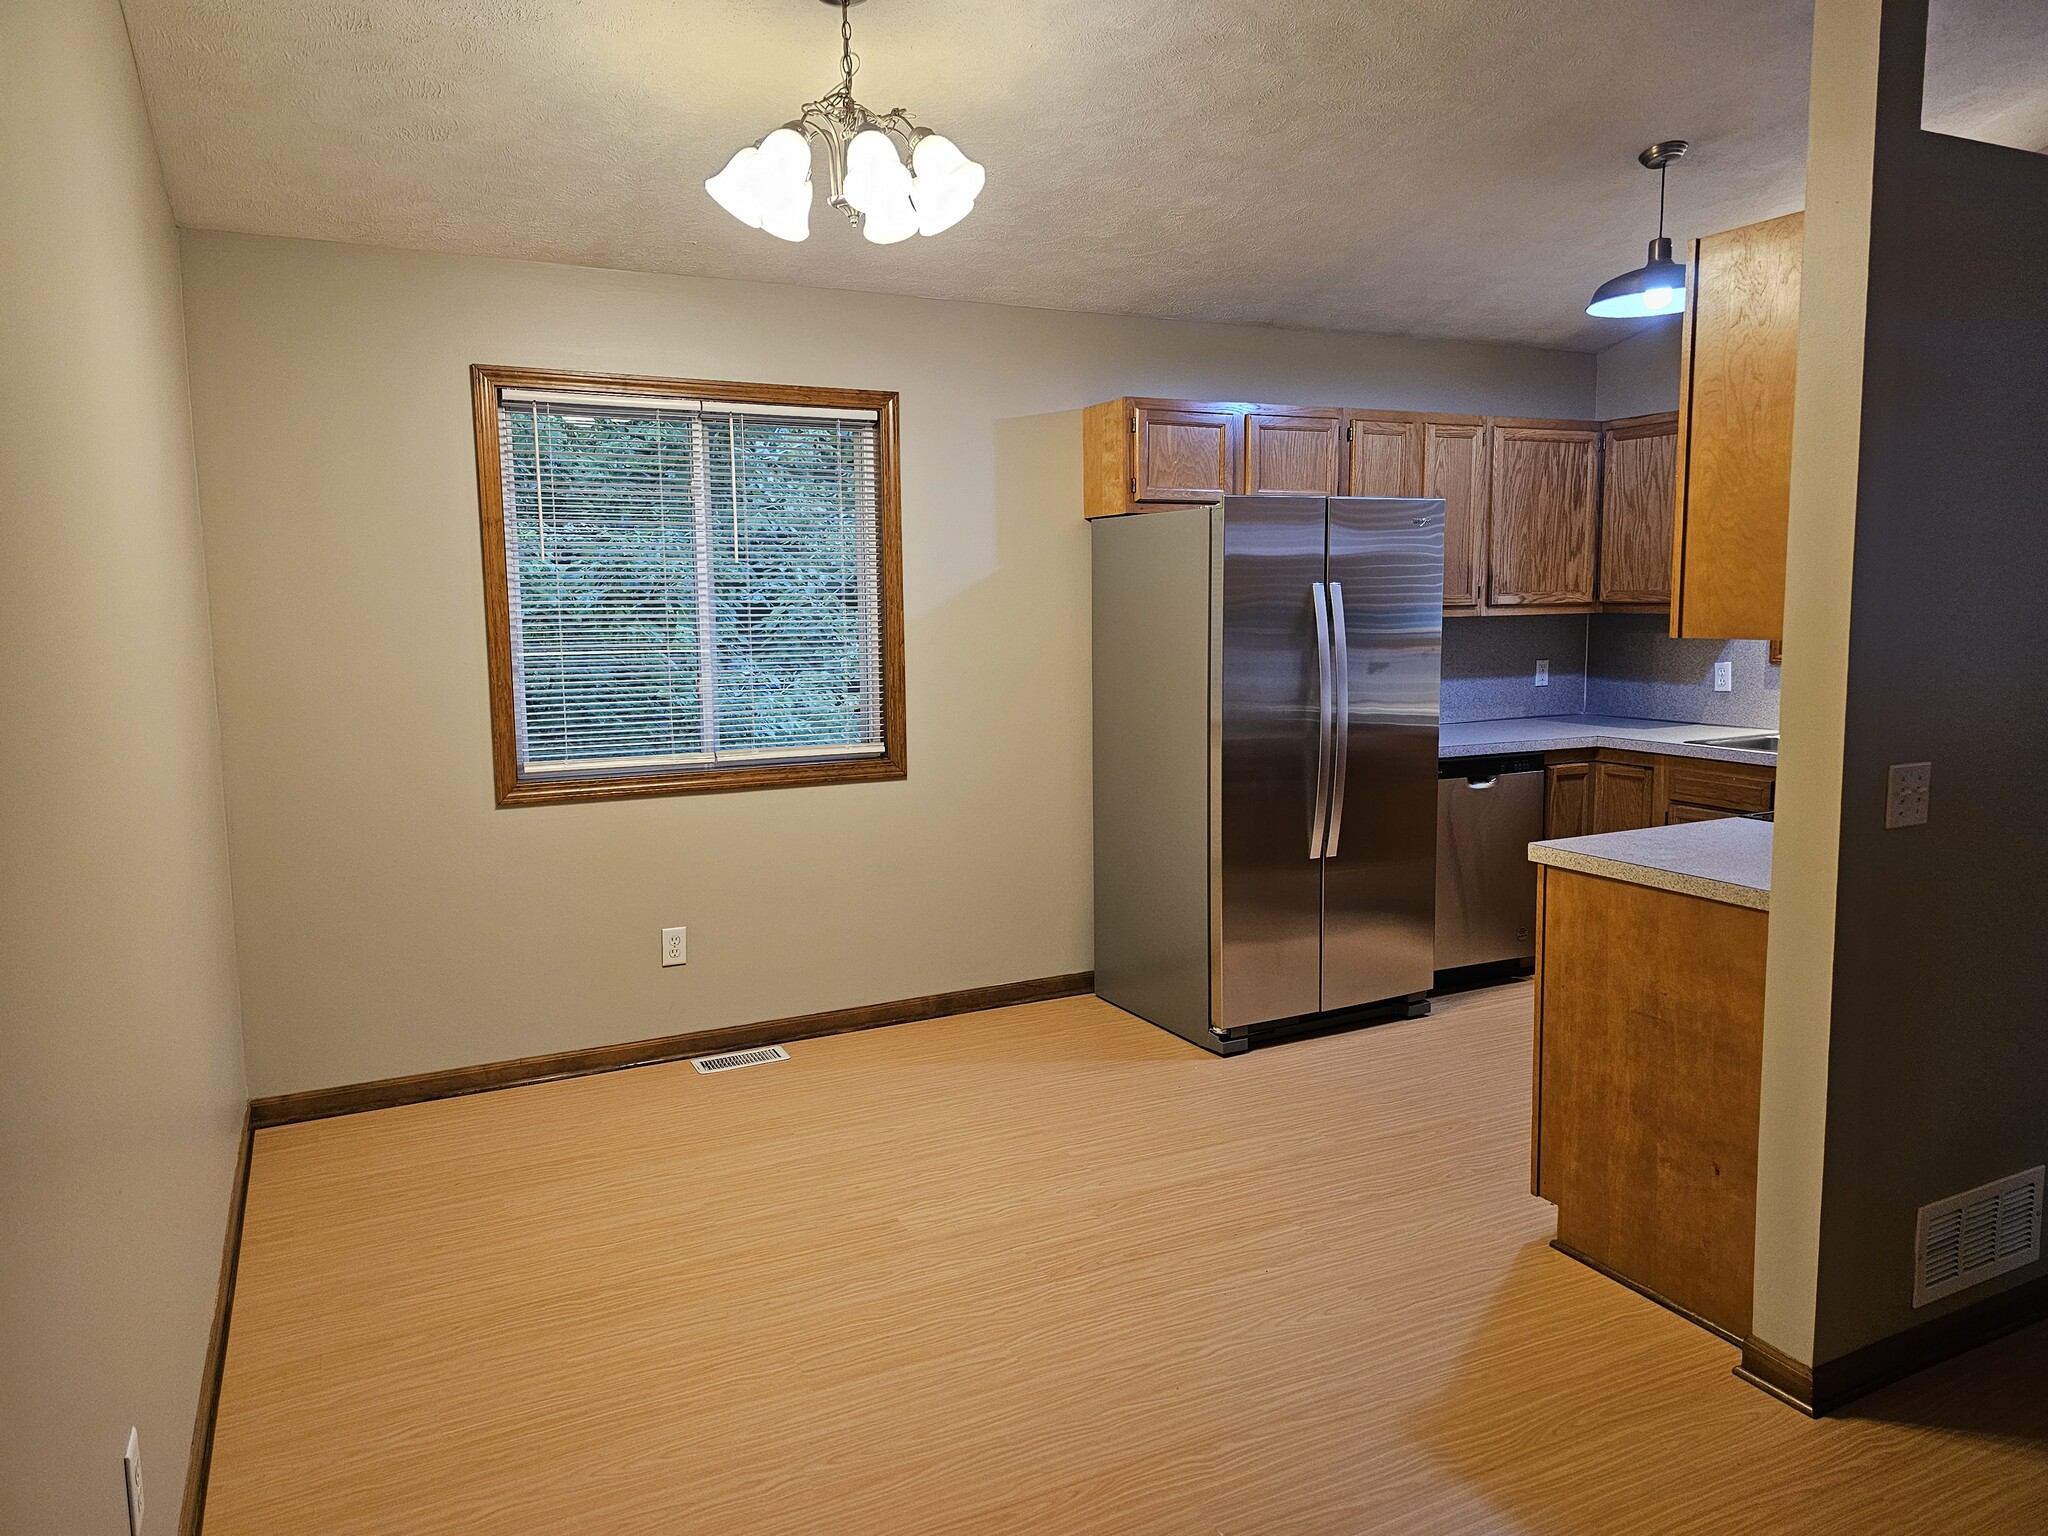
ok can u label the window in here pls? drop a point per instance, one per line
(688, 586)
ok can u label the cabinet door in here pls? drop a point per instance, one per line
(1568, 800)
(1455, 465)
(1293, 454)
(1184, 453)
(1624, 796)
(1637, 502)
(1541, 533)
(1385, 455)
(1735, 435)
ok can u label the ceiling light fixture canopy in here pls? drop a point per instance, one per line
(1658, 286)
(768, 185)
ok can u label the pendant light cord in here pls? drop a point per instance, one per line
(1662, 171)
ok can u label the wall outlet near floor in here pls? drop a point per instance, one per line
(1724, 677)
(1906, 791)
(131, 1479)
(675, 946)
(1542, 674)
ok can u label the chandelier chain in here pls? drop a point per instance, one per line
(848, 63)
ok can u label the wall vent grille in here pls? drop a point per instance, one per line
(759, 1056)
(1982, 1232)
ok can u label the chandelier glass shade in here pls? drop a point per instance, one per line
(768, 185)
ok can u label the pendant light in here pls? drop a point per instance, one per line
(767, 185)
(1657, 287)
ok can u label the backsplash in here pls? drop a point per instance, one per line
(1490, 667)
(1635, 668)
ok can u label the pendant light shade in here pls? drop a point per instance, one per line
(1658, 286)
(1655, 288)
(767, 185)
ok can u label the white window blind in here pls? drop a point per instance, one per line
(691, 583)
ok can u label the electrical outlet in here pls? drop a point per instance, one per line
(1906, 792)
(131, 1478)
(675, 948)
(1724, 677)
(1542, 674)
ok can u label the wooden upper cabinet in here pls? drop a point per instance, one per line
(1735, 433)
(1180, 453)
(1543, 526)
(1383, 453)
(1637, 495)
(1293, 452)
(1455, 465)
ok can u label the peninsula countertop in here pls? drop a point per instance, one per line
(1567, 733)
(1728, 860)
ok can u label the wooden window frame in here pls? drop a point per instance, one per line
(486, 380)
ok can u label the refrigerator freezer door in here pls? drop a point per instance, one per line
(1268, 891)
(1379, 894)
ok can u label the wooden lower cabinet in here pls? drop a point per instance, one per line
(1568, 798)
(1649, 1055)
(1610, 791)
(1624, 795)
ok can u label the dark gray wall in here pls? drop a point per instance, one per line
(1938, 1059)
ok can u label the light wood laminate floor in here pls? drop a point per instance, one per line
(1045, 1269)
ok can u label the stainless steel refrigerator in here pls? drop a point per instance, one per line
(1266, 704)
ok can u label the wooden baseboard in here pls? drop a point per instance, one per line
(1789, 1381)
(1833, 1384)
(193, 1509)
(320, 1103)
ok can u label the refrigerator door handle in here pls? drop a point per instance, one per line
(1326, 706)
(1340, 738)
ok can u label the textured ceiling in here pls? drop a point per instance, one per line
(1423, 167)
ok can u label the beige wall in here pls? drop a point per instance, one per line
(120, 1060)
(1820, 558)
(1639, 374)
(392, 920)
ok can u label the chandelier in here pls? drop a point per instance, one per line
(767, 185)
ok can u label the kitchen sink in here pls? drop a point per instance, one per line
(1741, 743)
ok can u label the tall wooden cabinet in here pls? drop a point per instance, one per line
(1543, 524)
(1734, 486)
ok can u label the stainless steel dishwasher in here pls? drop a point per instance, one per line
(1488, 812)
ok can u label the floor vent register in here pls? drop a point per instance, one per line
(733, 1060)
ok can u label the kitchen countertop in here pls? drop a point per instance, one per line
(1566, 733)
(1727, 860)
